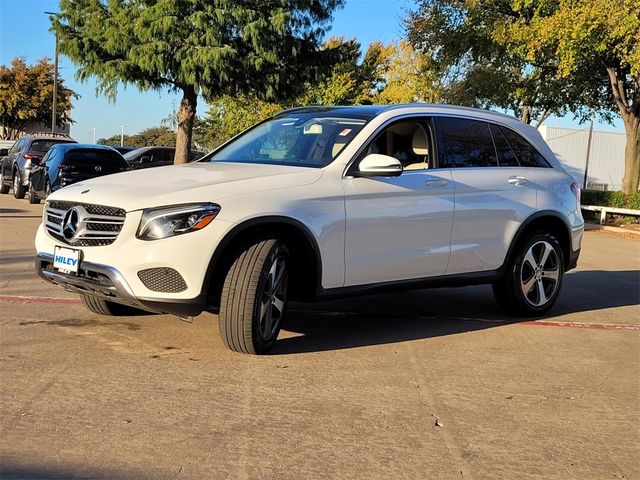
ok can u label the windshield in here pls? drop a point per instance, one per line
(304, 139)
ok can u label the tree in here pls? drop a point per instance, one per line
(537, 58)
(464, 42)
(405, 75)
(594, 44)
(196, 47)
(153, 136)
(26, 95)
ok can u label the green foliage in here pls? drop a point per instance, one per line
(611, 199)
(153, 136)
(228, 116)
(213, 48)
(26, 95)
(478, 66)
(385, 74)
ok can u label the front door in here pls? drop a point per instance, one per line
(399, 228)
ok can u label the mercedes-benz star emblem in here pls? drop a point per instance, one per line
(98, 168)
(70, 223)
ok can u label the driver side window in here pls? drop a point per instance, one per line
(409, 141)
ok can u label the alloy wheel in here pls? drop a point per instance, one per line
(273, 298)
(540, 274)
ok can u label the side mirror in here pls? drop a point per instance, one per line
(378, 165)
(4, 152)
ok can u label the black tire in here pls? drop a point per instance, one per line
(31, 195)
(542, 282)
(47, 188)
(4, 189)
(254, 298)
(105, 307)
(18, 188)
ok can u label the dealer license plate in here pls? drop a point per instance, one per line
(66, 259)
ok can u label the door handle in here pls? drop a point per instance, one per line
(435, 183)
(517, 180)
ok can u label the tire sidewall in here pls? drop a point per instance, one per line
(259, 343)
(516, 272)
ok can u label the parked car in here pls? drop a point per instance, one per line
(123, 150)
(147, 157)
(65, 164)
(27, 152)
(322, 202)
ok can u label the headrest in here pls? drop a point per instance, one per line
(420, 142)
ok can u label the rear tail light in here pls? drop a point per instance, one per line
(575, 189)
(33, 158)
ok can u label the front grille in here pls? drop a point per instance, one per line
(97, 225)
(162, 279)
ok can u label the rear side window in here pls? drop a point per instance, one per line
(465, 143)
(80, 156)
(506, 155)
(527, 155)
(44, 145)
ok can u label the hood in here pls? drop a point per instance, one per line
(190, 183)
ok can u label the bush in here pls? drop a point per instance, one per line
(611, 199)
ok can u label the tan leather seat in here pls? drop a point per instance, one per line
(420, 147)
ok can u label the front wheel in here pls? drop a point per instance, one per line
(254, 298)
(531, 284)
(18, 188)
(105, 307)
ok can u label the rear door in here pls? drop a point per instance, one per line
(493, 193)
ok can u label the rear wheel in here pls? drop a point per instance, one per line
(105, 307)
(31, 195)
(254, 298)
(532, 281)
(3, 188)
(18, 188)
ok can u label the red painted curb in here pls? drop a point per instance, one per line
(58, 301)
(586, 326)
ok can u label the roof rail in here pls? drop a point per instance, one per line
(49, 134)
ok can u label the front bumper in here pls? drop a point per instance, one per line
(107, 282)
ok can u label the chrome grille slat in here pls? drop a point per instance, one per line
(99, 225)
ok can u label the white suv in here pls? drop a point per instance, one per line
(320, 202)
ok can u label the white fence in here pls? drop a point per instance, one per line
(606, 159)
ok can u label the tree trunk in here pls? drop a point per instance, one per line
(186, 117)
(632, 155)
(525, 117)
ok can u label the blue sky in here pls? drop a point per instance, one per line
(24, 31)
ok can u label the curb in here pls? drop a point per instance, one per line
(607, 228)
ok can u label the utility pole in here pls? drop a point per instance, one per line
(586, 163)
(122, 135)
(94, 135)
(55, 81)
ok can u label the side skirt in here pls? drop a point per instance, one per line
(456, 280)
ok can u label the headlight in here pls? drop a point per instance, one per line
(166, 222)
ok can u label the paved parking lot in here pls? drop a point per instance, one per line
(431, 384)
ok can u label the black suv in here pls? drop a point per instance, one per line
(67, 164)
(22, 157)
(147, 157)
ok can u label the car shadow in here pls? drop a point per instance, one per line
(405, 316)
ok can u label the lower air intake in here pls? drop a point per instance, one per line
(162, 279)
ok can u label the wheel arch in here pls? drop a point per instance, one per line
(548, 221)
(306, 264)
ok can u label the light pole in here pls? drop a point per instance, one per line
(94, 135)
(55, 80)
(122, 135)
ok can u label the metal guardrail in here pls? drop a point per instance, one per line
(605, 210)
